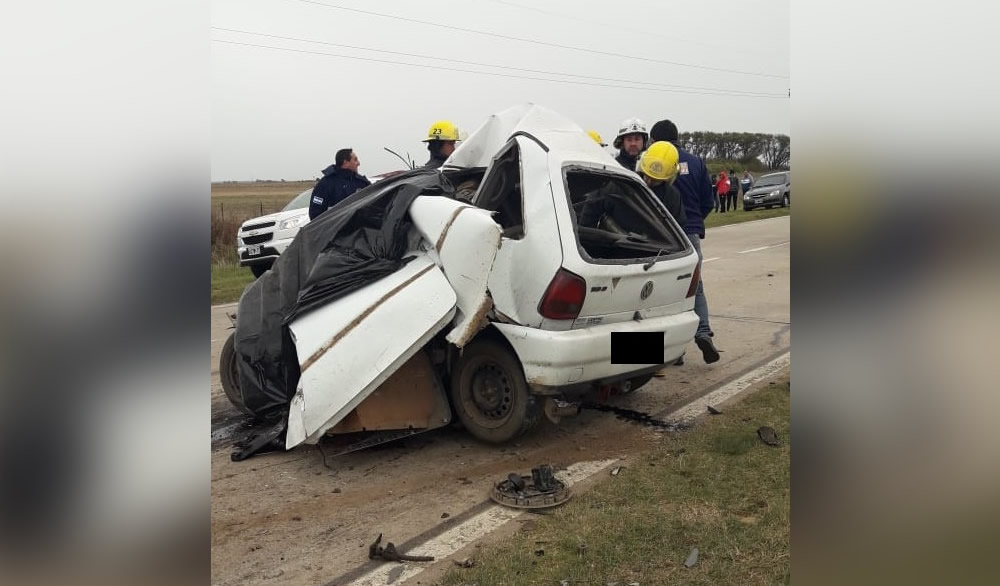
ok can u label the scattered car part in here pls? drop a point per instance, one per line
(555, 409)
(269, 439)
(692, 558)
(545, 490)
(768, 436)
(714, 411)
(389, 553)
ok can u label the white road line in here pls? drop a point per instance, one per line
(750, 222)
(698, 407)
(763, 247)
(710, 259)
(457, 537)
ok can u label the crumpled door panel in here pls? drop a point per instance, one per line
(465, 239)
(347, 348)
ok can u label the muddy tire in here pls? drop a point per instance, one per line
(489, 393)
(230, 378)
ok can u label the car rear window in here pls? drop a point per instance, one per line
(617, 219)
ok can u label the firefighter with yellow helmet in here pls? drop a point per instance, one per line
(441, 139)
(658, 168)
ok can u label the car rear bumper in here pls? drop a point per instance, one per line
(571, 357)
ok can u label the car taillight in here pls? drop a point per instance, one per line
(695, 277)
(564, 297)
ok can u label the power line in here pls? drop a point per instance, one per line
(480, 64)
(617, 26)
(491, 73)
(536, 42)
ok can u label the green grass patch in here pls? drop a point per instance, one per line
(716, 487)
(228, 282)
(716, 219)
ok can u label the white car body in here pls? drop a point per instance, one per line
(463, 278)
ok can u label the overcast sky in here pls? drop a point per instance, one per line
(280, 114)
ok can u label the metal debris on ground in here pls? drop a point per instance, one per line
(544, 491)
(616, 470)
(389, 553)
(466, 563)
(692, 558)
(768, 436)
(714, 411)
(634, 416)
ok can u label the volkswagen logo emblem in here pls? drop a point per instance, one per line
(647, 290)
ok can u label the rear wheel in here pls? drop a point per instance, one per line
(230, 376)
(490, 395)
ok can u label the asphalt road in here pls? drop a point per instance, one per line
(290, 518)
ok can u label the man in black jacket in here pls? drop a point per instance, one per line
(339, 181)
(699, 199)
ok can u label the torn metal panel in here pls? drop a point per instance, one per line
(466, 240)
(348, 348)
(524, 266)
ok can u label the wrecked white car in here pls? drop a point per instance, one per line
(530, 270)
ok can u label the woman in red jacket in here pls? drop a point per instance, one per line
(722, 190)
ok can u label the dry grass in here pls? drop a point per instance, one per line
(716, 488)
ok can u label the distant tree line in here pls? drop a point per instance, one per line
(774, 150)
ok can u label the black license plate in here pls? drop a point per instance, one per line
(636, 347)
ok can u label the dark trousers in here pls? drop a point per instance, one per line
(720, 203)
(733, 196)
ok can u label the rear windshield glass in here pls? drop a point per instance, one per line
(616, 218)
(771, 180)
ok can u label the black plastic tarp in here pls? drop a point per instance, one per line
(357, 242)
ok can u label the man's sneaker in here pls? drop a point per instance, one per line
(708, 350)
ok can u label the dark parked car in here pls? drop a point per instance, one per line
(770, 190)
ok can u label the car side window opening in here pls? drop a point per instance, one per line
(501, 192)
(616, 218)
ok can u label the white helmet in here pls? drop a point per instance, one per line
(631, 126)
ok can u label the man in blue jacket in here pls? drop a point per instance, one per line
(339, 181)
(699, 200)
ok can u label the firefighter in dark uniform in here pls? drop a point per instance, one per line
(631, 140)
(441, 139)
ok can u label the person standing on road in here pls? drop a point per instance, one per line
(714, 181)
(631, 140)
(746, 182)
(699, 199)
(722, 191)
(339, 181)
(734, 190)
(441, 139)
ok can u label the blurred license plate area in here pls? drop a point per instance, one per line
(636, 347)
